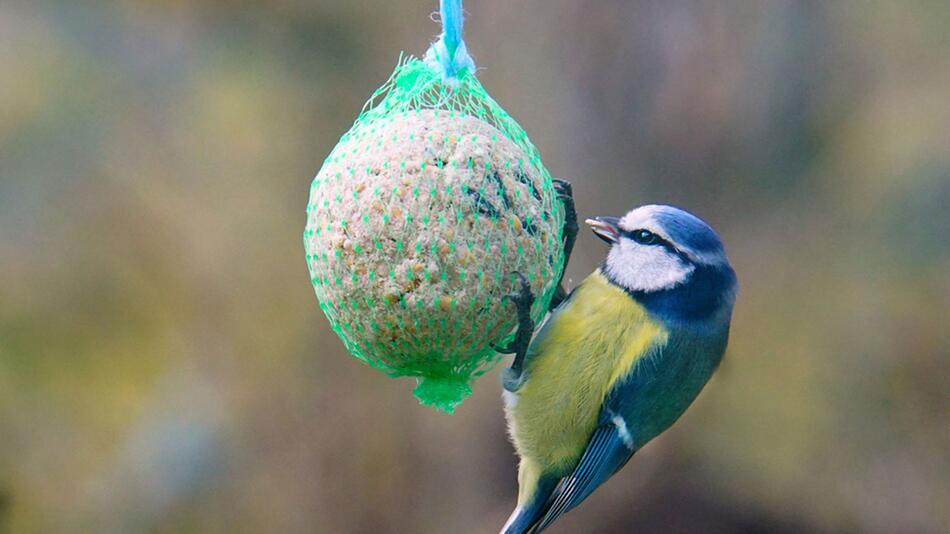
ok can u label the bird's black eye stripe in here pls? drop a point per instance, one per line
(643, 236)
(646, 237)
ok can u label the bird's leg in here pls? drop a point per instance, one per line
(565, 194)
(523, 299)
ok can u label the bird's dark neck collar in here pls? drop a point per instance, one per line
(702, 296)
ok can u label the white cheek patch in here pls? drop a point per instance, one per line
(645, 267)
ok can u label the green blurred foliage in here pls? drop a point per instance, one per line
(163, 362)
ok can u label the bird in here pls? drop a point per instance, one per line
(618, 361)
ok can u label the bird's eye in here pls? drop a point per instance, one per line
(644, 237)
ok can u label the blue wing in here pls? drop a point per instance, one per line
(607, 451)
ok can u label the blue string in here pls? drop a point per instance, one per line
(452, 21)
(448, 54)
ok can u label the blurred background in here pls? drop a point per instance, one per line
(164, 366)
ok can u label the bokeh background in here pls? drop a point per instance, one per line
(163, 363)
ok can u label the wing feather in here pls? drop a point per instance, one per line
(606, 452)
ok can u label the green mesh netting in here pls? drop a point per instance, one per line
(416, 223)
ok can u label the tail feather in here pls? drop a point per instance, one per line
(606, 452)
(528, 514)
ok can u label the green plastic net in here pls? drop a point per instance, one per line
(417, 222)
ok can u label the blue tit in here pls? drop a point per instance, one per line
(618, 361)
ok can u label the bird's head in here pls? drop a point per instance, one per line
(658, 248)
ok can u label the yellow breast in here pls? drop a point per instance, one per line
(591, 342)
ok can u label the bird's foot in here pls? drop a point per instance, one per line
(523, 299)
(565, 193)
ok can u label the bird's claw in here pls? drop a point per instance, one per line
(565, 192)
(563, 189)
(523, 299)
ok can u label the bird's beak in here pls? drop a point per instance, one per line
(606, 228)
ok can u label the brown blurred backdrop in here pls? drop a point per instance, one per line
(163, 363)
